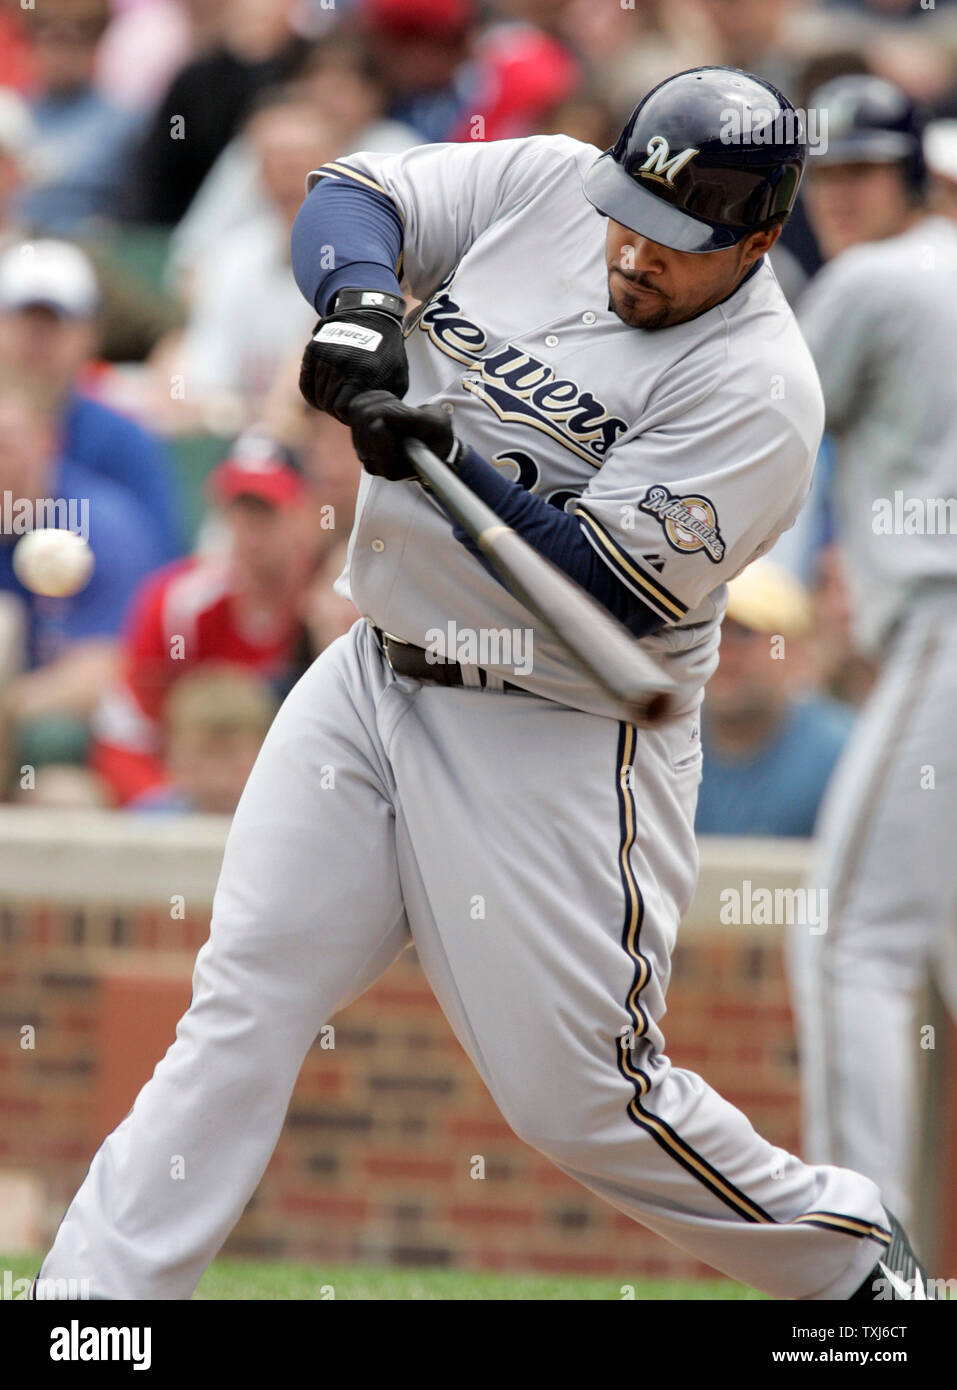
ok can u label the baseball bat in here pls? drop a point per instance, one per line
(594, 639)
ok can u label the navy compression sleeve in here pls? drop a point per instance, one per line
(558, 536)
(345, 235)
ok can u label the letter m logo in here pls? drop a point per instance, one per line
(658, 165)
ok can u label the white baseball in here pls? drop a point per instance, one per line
(53, 563)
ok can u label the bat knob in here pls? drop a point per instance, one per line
(658, 708)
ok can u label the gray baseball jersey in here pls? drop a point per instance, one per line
(684, 453)
(881, 322)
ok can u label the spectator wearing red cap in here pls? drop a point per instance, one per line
(240, 606)
(519, 73)
(445, 19)
(420, 46)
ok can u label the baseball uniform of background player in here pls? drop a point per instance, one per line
(881, 321)
(383, 809)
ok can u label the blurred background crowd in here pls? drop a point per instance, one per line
(153, 155)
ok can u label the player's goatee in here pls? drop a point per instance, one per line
(659, 319)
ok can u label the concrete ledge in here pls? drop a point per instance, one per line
(125, 859)
(108, 857)
(729, 862)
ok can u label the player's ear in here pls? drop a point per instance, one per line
(758, 244)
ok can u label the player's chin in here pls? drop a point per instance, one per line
(642, 311)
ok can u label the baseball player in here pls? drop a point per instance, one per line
(603, 353)
(881, 321)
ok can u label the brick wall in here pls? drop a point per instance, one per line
(375, 1158)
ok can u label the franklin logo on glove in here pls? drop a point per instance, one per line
(349, 333)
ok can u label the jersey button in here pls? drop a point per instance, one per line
(588, 317)
(551, 340)
(377, 545)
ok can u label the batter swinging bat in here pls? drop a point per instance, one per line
(600, 644)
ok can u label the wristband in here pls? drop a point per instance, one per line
(381, 300)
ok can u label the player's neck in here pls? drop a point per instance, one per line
(713, 304)
(914, 219)
(749, 274)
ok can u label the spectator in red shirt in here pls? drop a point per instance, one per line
(240, 605)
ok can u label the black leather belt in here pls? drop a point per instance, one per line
(415, 662)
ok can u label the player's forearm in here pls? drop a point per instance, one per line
(345, 235)
(556, 535)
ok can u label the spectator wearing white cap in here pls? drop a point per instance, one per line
(48, 334)
(770, 741)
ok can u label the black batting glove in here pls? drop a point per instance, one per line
(352, 351)
(381, 425)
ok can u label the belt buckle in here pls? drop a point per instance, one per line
(388, 637)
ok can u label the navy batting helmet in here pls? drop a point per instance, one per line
(870, 121)
(706, 158)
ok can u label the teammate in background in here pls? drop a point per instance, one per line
(242, 605)
(866, 184)
(769, 740)
(595, 356)
(881, 321)
(940, 152)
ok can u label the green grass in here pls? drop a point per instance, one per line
(249, 1279)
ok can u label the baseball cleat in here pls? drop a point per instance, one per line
(899, 1275)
